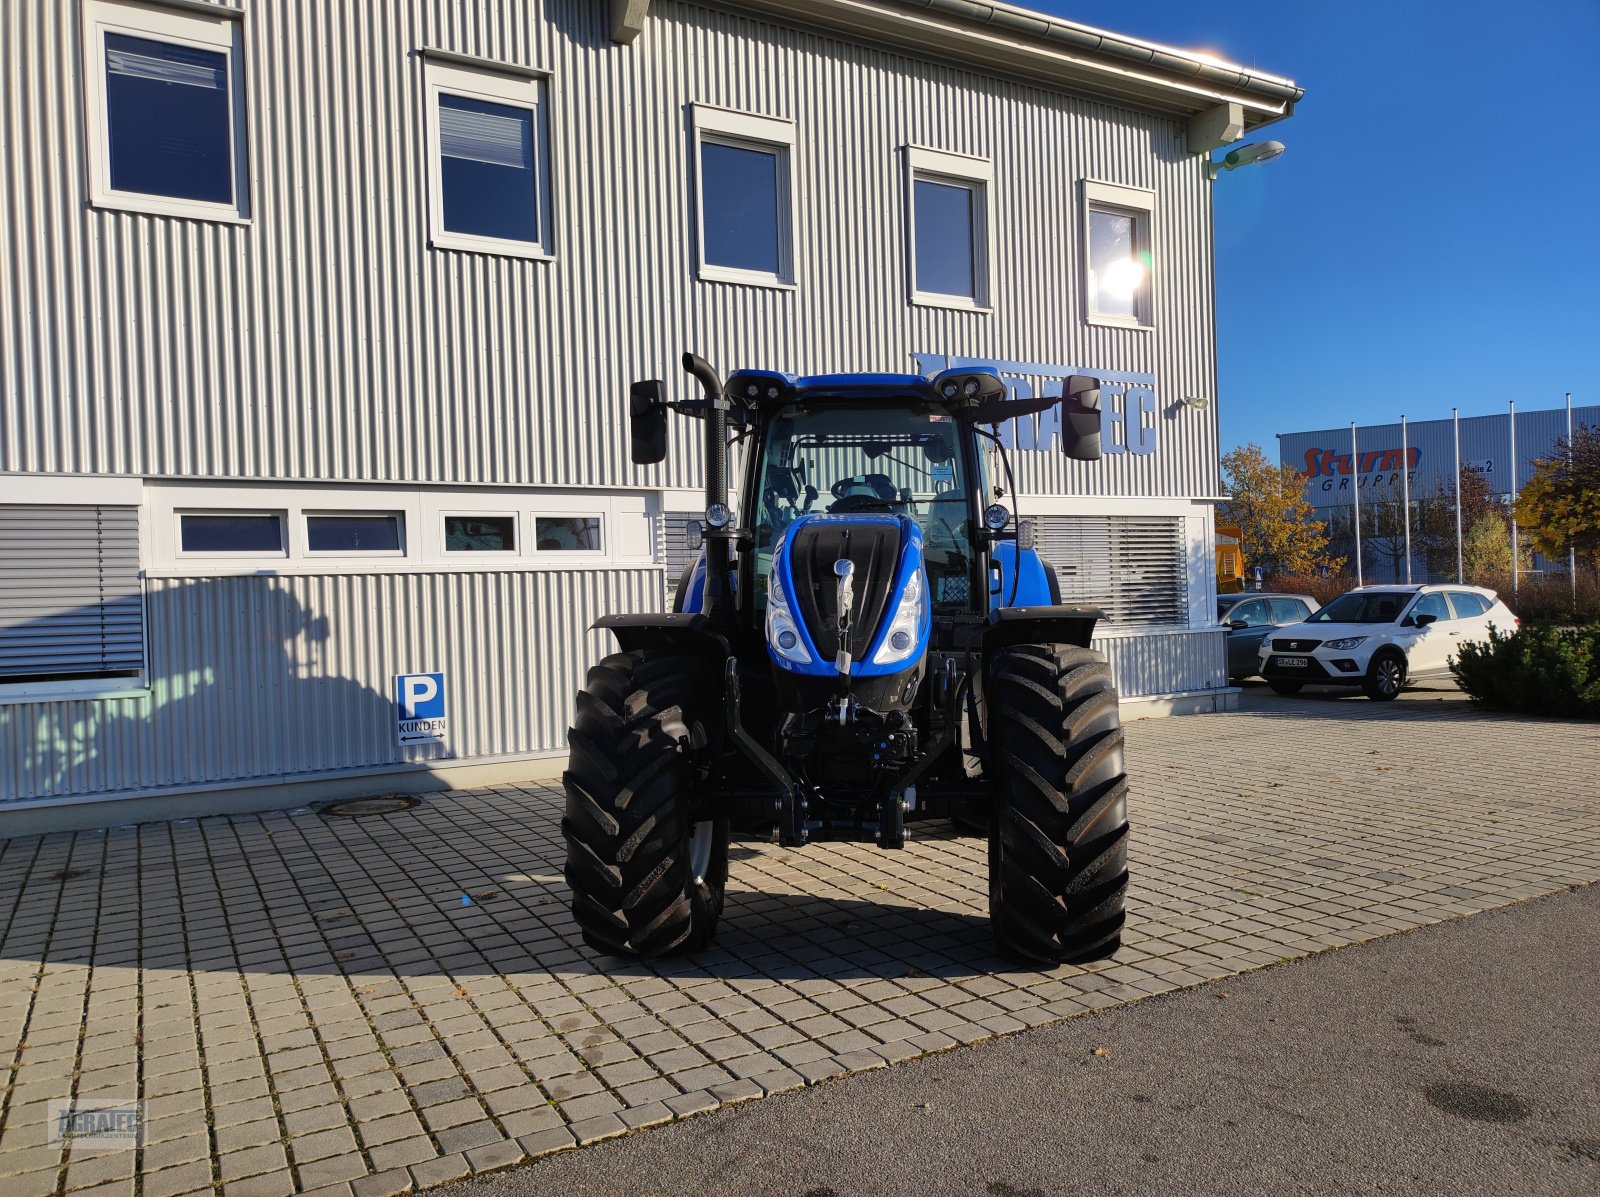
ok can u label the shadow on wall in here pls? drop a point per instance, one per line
(245, 682)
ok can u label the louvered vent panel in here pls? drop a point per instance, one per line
(71, 601)
(675, 550)
(1133, 567)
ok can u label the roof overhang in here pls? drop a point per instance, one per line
(1222, 100)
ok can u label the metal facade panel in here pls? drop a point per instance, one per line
(1167, 664)
(325, 340)
(261, 677)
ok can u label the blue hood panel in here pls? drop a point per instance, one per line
(908, 565)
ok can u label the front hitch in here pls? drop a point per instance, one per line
(790, 808)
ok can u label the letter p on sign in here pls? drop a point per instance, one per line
(419, 702)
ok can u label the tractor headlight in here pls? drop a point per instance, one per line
(782, 634)
(995, 517)
(1347, 643)
(901, 640)
(718, 515)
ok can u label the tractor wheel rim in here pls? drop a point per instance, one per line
(700, 849)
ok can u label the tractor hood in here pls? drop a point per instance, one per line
(847, 597)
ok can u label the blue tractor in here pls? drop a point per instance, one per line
(870, 640)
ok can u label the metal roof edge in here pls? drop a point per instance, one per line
(1042, 48)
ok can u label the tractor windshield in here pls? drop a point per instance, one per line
(905, 460)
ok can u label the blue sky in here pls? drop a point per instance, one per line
(1431, 239)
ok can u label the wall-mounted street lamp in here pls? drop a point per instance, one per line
(1245, 155)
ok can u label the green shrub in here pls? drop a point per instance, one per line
(1534, 670)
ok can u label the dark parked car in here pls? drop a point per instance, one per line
(1249, 617)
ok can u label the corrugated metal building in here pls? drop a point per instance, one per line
(1383, 461)
(319, 319)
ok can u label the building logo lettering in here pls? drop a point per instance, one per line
(1127, 403)
(1329, 470)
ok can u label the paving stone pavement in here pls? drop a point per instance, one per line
(306, 1004)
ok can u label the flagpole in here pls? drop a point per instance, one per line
(1355, 475)
(1572, 545)
(1516, 561)
(1461, 576)
(1405, 492)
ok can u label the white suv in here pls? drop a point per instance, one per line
(1380, 637)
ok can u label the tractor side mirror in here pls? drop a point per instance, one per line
(1027, 535)
(1080, 418)
(647, 422)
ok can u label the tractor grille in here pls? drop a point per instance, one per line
(1295, 646)
(874, 548)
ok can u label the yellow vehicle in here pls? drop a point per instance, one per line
(1230, 560)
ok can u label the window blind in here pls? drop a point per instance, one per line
(1133, 567)
(137, 58)
(71, 601)
(498, 138)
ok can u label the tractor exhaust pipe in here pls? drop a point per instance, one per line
(718, 602)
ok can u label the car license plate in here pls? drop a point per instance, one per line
(1290, 662)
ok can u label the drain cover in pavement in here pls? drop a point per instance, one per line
(359, 808)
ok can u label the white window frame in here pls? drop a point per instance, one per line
(923, 164)
(519, 549)
(187, 26)
(627, 531)
(284, 534)
(517, 87)
(745, 131)
(394, 513)
(1140, 204)
(574, 555)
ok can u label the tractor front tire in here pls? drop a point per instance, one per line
(1058, 839)
(646, 880)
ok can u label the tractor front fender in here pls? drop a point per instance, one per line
(1038, 625)
(681, 631)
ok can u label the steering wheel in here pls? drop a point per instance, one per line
(866, 486)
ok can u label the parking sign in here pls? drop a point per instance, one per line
(419, 707)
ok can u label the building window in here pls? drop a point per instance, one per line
(72, 606)
(1119, 254)
(742, 180)
(948, 199)
(356, 532)
(230, 532)
(165, 103)
(480, 533)
(567, 533)
(489, 134)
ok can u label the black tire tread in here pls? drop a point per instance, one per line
(626, 821)
(1058, 857)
